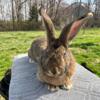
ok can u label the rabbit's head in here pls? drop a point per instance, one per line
(57, 56)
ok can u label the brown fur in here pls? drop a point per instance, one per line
(37, 53)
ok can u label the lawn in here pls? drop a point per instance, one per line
(85, 47)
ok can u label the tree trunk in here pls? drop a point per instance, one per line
(13, 18)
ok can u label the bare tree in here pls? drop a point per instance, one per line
(25, 11)
(57, 9)
(2, 13)
(97, 8)
(18, 8)
(30, 4)
(13, 17)
(51, 7)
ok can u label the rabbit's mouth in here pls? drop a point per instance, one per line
(57, 73)
(54, 80)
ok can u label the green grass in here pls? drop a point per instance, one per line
(85, 47)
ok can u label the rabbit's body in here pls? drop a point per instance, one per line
(55, 60)
(37, 54)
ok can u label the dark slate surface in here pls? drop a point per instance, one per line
(25, 86)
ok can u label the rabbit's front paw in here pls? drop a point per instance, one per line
(53, 88)
(31, 61)
(66, 86)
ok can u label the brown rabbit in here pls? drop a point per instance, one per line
(56, 62)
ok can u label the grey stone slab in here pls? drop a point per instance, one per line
(25, 86)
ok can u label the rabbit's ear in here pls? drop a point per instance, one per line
(48, 24)
(71, 30)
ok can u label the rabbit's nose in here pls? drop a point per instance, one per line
(49, 73)
(54, 71)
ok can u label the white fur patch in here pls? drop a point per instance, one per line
(31, 61)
